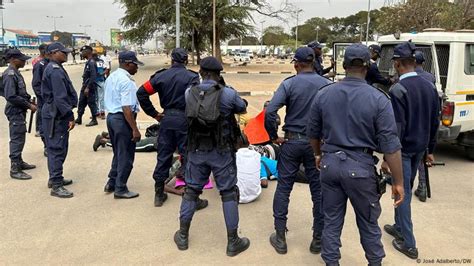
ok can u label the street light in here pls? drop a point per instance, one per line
(296, 30)
(317, 33)
(178, 25)
(54, 20)
(85, 26)
(368, 23)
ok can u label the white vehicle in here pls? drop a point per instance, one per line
(242, 57)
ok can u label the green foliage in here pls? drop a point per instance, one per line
(274, 35)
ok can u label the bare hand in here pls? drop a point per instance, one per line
(86, 92)
(318, 162)
(398, 195)
(136, 135)
(279, 141)
(385, 168)
(332, 62)
(429, 160)
(159, 116)
(71, 125)
(33, 107)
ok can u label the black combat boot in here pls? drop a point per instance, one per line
(17, 173)
(420, 192)
(181, 236)
(61, 192)
(78, 120)
(93, 122)
(235, 244)
(66, 182)
(278, 241)
(201, 204)
(315, 246)
(26, 166)
(160, 196)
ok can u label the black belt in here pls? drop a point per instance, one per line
(354, 149)
(294, 135)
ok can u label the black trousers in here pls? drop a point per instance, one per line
(87, 101)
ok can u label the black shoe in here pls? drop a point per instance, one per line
(412, 253)
(278, 241)
(78, 121)
(390, 229)
(66, 182)
(27, 166)
(109, 188)
(160, 196)
(61, 192)
(105, 134)
(181, 237)
(315, 246)
(201, 204)
(126, 195)
(235, 244)
(92, 123)
(45, 152)
(421, 193)
(17, 173)
(96, 144)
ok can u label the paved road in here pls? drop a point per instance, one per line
(94, 228)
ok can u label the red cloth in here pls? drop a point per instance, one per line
(255, 129)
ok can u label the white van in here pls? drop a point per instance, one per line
(450, 57)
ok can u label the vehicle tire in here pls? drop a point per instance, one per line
(470, 152)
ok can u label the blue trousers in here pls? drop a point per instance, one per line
(57, 146)
(403, 223)
(87, 101)
(294, 153)
(347, 177)
(17, 126)
(172, 136)
(123, 147)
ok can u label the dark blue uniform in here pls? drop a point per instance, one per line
(373, 76)
(171, 85)
(38, 70)
(424, 74)
(318, 67)
(297, 94)
(353, 119)
(59, 99)
(88, 81)
(18, 102)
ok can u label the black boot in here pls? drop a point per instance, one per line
(278, 241)
(420, 192)
(17, 173)
(66, 182)
(315, 246)
(78, 120)
(61, 192)
(93, 122)
(181, 236)
(26, 166)
(201, 204)
(160, 196)
(235, 244)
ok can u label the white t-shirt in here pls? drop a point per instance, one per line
(107, 61)
(248, 174)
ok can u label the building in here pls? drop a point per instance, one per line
(73, 39)
(21, 38)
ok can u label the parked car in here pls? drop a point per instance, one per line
(242, 57)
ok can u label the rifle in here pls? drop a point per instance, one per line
(30, 123)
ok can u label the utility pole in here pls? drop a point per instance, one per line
(214, 28)
(3, 35)
(317, 33)
(178, 14)
(368, 23)
(54, 20)
(296, 30)
(261, 40)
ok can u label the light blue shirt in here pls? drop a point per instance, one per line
(120, 90)
(407, 75)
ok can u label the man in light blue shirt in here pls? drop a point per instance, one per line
(122, 106)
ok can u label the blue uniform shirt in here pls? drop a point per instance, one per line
(120, 90)
(89, 76)
(374, 76)
(352, 114)
(297, 94)
(18, 100)
(426, 75)
(318, 66)
(59, 95)
(38, 70)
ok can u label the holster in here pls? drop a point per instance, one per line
(381, 182)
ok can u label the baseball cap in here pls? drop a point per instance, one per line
(315, 45)
(356, 51)
(42, 47)
(57, 46)
(129, 57)
(419, 57)
(16, 54)
(303, 54)
(404, 50)
(211, 63)
(377, 49)
(86, 47)
(179, 55)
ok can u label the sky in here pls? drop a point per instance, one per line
(102, 15)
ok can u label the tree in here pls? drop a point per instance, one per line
(274, 35)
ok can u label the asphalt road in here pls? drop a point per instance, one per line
(92, 227)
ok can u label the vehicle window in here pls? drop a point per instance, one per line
(385, 63)
(442, 51)
(469, 62)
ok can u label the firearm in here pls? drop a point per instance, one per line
(30, 123)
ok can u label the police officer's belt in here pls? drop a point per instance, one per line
(173, 112)
(336, 148)
(294, 135)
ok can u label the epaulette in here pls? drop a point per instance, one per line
(159, 71)
(56, 66)
(290, 77)
(11, 72)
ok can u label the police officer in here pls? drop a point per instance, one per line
(122, 107)
(373, 74)
(416, 108)
(211, 149)
(59, 99)
(297, 93)
(420, 59)
(38, 70)
(318, 61)
(87, 96)
(352, 120)
(171, 84)
(18, 102)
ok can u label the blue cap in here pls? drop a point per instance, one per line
(16, 54)
(57, 46)
(129, 57)
(404, 50)
(86, 47)
(303, 54)
(42, 47)
(211, 63)
(315, 45)
(357, 51)
(179, 55)
(375, 48)
(419, 57)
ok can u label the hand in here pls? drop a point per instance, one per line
(33, 107)
(429, 160)
(71, 125)
(332, 62)
(136, 135)
(398, 195)
(279, 140)
(86, 92)
(317, 158)
(159, 116)
(331, 74)
(385, 168)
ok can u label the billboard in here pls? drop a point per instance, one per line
(116, 38)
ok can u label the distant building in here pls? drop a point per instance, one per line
(77, 39)
(21, 38)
